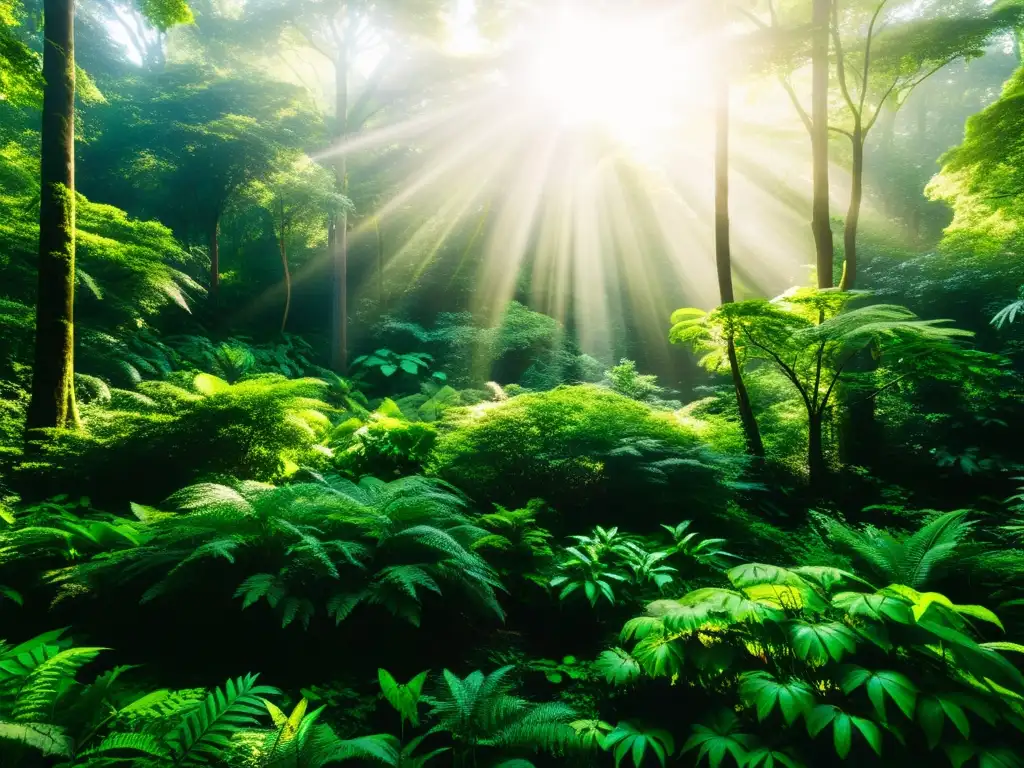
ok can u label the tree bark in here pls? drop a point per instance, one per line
(287, 273)
(339, 252)
(849, 280)
(52, 401)
(815, 450)
(723, 257)
(214, 242)
(821, 225)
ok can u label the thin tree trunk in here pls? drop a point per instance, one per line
(751, 431)
(849, 281)
(382, 302)
(815, 450)
(52, 402)
(821, 225)
(723, 257)
(287, 273)
(214, 242)
(339, 319)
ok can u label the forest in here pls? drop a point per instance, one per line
(511, 383)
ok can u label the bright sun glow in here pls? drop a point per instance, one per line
(623, 74)
(577, 158)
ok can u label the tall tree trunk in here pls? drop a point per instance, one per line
(382, 303)
(723, 257)
(53, 388)
(287, 273)
(815, 450)
(339, 253)
(820, 217)
(849, 281)
(214, 241)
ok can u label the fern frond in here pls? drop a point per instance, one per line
(44, 685)
(205, 733)
(143, 743)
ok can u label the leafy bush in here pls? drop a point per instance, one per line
(799, 652)
(524, 346)
(626, 380)
(580, 448)
(328, 546)
(383, 443)
(259, 428)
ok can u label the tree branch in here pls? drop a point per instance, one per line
(804, 117)
(841, 61)
(789, 372)
(867, 54)
(843, 131)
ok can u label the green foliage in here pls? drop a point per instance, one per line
(480, 710)
(20, 81)
(381, 443)
(626, 380)
(259, 428)
(804, 655)
(914, 560)
(811, 337)
(637, 741)
(329, 545)
(388, 363)
(566, 447)
(404, 697)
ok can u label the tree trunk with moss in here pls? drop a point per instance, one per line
(723, 258)
(53, 393)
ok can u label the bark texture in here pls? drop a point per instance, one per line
(52, 401)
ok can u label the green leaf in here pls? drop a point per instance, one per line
(388, 369)
(793, 697)
(877, 607)
(204, 733)
(718, 738)
(659, 656)
(635, 740)
(618, 666)
(880, 685)
(842, 728)
(765, 757)
(933, 711)
(819, 643)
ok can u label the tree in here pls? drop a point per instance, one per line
(786, 53)
(723, 252)
(300, 199)
(184, 150)
(340, 31)
(821, 222)
(53, 393)
(810, 337)
(52, 401)
(888, 62)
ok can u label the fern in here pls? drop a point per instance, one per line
(205, 733)
(912, 560)
(38, 694)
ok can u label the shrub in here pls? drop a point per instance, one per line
(581, 448)
(164, 436)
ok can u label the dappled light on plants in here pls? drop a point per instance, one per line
(511, 383)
